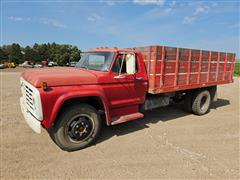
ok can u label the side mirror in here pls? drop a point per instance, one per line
(131, 64)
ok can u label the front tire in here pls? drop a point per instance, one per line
(76, 127)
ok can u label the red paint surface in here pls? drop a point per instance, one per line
(126, 118)
(60, 76)
(162, 69)
(170, 69)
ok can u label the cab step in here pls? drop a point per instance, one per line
(126, 118)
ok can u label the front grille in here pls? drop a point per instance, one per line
(29, 97)
(32, 99)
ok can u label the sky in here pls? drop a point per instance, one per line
(210, 25)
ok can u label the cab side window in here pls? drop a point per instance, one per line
(117, 65)
(126, 63)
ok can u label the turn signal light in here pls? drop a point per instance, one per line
(44, 86)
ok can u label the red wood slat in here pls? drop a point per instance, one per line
(209, 64)
(232, 66)
(224, 67)
(218, 59)
(162, 64)
(188, 65)
(199, 66)
(153, 66)
(176, 67)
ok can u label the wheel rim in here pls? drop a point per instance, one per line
(204, 103)
(79, 128)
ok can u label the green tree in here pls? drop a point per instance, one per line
(15, 53)
(75, 54)
(60, 53)
(43, 52)
(3, 55)
(37, 57)
(29, 54)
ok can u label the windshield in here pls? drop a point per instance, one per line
(99, 61)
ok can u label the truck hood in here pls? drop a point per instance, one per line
(62, 76)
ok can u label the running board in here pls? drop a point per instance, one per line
(126, 118)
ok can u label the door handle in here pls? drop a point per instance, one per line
(119, 76)
(139, 78)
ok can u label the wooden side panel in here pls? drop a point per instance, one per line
(170, 68)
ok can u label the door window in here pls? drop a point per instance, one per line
(125, 64)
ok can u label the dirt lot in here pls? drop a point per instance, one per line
(167, 143)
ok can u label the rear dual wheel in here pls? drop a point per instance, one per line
(198, 102)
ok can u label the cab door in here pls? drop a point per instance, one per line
(128, 85)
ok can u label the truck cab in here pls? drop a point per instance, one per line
(106, 86)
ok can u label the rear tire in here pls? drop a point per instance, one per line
(76, 127)
(201, 102)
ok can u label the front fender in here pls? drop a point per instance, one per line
(57, 97)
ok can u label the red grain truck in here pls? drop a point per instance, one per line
(113, 86)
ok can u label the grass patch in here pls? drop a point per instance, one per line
(237, 69)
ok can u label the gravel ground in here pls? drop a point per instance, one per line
(167, 143)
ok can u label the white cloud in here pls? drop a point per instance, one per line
(95, 17)
(149, 2)
(14, 18)
(110, 3)
(201, 9)
(234, 26)
(167, 10)
(54, 22)
(156, 13)
(214, 4)
(113, 2)
(172, 4)
(91, 19)
(188, 19)
(194, 3)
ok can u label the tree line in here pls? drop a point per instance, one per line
(60, 53)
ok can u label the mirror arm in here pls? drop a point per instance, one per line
(121, 65)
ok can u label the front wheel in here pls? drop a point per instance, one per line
(76, 127)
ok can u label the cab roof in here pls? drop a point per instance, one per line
(112, 50)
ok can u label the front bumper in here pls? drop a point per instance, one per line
(29, 118)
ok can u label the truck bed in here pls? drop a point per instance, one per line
(172, 69)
